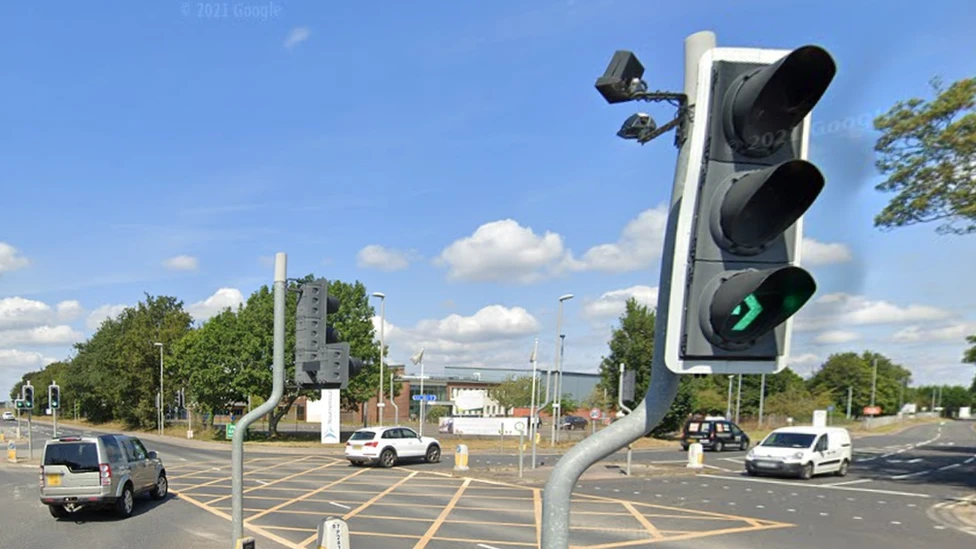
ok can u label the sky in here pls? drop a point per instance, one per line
(454, 156)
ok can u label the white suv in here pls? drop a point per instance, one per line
(8, 416)
(387, 445)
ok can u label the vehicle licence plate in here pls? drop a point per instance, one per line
(54, 480)
(357, 446)
(767, 464)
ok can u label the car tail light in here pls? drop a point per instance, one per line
(40, 479)
(372, 444)
(105, 472)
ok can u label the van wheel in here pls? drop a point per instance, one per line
(718, 447)
(807, 472)
(125, 503)
(844, 465)
(57, 511)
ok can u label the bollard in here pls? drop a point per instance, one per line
(245, 543)
(333, 534)
(12, 452)
(696, 456)
(461, 458)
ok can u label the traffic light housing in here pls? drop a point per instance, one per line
(735, 281)
(28, 396)
(20, 404)
(321, 360)
(54, 397)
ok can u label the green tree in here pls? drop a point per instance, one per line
(927, 152)
(515, 392)
(798, 403)
(969, 357)
(843, 370)
(632, 344)
(115, 373)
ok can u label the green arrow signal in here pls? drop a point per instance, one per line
(754, 309)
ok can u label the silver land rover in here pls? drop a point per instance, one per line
(105, 471)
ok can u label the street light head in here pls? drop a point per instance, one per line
(565, 297)
(157, 344)
(380, 295)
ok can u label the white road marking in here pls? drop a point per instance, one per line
(856, 518)
(916, 460)
(895, 522)
(486, 546)
(859, 481)
(824, 514)
(760, 507)
(791, 510)
(822, 486)
(939, 527)
(263, 483)
(339, 505)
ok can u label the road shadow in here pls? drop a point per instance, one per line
(143, 504)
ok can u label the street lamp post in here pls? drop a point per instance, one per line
(559, 379)
(162, 417)
(728, 407)
(379, 403)
(556, 397)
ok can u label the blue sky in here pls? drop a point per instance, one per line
(455, 157)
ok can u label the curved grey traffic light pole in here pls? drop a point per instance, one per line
(277, 390)
(664, 383)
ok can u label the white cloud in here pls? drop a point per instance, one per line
(41, 335)
(836, 336)
(69, 310)
(297, 36)
(480, 339)
(220, 300)
(506, 251)
(503, 251)
(816, 253)
(181, 263)
(103, 313)
(832, 310)
(12, 358)
(953, 333)
(640, 245)
(10, 258)
(613, 303)
(375, 256)
(17, 312)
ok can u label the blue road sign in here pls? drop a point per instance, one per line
(428, 398)
(830, 408)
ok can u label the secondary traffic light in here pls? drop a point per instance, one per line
(321, 360)
(736, 282)
(20, 404)
(28, 396)
(54, 396)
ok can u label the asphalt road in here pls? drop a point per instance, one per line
(885, 502)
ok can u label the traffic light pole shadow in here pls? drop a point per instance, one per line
(664, 383)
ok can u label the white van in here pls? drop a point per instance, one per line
(802, 451)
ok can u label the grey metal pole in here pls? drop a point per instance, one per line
(521, 450)
(874, 381)
(423, 397)
(762, 397)
(532, 409)
(850, 398)
(728, 406)
(556, 400)
(162, 413)
(622, 406)
(379, 416)
(738, 399)
(664, 383)
(277, 390)
(30, 434)
(396, 409)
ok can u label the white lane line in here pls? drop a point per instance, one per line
(339, 505)
(947, 467)
(823, 486)
(859, 481)
(970, 460)
(912, 475)
(916, 460)
(486, 546)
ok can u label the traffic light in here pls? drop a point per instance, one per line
(19, 404)
(735, 282)
(54, 396)
(28, 396)
(321, 360)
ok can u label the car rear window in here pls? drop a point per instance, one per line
(78, 457)
(695, 427)
(363, 435)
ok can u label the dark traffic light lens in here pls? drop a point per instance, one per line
(764, 107)
(762, 204)
(752, 303)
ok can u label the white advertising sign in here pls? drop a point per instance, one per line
(508, 426)
(327, 411)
